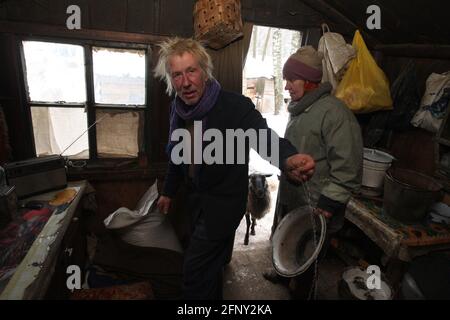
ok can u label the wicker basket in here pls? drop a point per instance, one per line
(217, 22)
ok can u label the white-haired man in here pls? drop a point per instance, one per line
(217, 192)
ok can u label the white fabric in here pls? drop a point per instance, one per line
(117, 133)
(145, 226)
(435, 85)
(336, 55)
(53, 133)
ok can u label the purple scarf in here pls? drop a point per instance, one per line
(180, 112)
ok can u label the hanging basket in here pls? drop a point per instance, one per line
(217, 22)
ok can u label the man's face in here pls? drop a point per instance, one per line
(296, 88)
(187, 77)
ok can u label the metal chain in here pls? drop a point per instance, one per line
(313, 290)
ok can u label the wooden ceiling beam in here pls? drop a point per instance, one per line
(334, 15)
(36, 29)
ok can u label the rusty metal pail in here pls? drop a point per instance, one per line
(409, 194)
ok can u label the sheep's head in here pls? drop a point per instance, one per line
(257, 184)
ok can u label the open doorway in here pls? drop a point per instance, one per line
(263, 80)
(263, 84)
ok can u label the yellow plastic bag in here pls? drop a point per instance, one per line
(364, 87)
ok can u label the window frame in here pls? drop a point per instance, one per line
(90, 105)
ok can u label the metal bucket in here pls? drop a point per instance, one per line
(375, 164)
(409, 194)
(293, 247)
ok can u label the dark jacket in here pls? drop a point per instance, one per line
(223, 188)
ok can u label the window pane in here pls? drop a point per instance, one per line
(56, 128)
(55, 72)
(119, 133)
(119, 76)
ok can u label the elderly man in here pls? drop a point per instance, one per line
(324, 127)
(217, 192)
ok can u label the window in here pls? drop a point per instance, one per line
(87, 101)
(128, 71)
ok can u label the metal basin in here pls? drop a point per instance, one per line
(293, 247)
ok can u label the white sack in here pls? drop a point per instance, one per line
(145, 226)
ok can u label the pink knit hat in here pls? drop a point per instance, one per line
(305, 64)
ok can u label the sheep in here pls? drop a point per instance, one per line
(258, 201)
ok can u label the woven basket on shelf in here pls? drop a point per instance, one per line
(217, 22)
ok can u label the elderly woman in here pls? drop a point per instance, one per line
(217, 192)
(324, 127)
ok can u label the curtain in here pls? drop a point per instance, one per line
(229, 61)
(53, 133)
(119, 133)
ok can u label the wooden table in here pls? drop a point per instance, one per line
(396, 239)
(33, 276)
(400, 242)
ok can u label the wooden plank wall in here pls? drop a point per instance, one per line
(11, 79)
(159, 17)
(162, 17)
(289, 14)
(414, 148)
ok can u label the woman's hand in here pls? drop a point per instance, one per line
(327, 215)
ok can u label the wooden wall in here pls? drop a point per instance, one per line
(11, 79)
(163, 17)
(425, 66)
(5, 147)
(414, 148)
(289, 14)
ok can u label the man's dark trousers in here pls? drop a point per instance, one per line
(204, 259)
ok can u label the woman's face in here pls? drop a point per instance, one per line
(296, 89)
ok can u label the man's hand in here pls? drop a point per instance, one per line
(300, 167)
(164, 204)
(326, 214)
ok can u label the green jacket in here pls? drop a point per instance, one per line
(325, 128)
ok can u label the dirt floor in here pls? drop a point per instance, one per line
(243, 278)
